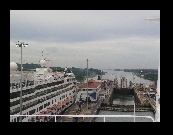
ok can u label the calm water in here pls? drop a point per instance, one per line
(124, 119)
(111, 75)
(126, 100)
(128, 75)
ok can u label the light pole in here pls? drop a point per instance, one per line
(25, 75)
(133, 78)
(80, 101)
(140, 76)
(87, 84)
(20, 45)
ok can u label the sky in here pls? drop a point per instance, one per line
(110, 39)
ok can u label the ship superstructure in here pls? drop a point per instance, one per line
(44, 91)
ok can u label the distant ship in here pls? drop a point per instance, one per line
(43, 92)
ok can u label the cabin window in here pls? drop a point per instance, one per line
(39, 108)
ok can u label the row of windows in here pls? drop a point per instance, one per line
(47, 104)
(14, 103)
(17, 110)
(28, 91)
(63, 96)
(14, 94)
(17, 85)
(24, 107)
(70, 80)
(55, 83)
(32, 111)
(88, 89)
(38, 94)
(32, 90)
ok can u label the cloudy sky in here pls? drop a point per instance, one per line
(108, 38)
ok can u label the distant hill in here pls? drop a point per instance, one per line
(79, 72)
(148, 74)
(28, 66)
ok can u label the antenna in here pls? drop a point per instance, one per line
(42, 54)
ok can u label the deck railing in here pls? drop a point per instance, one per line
(84, 116)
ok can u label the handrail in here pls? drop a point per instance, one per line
(104, 116)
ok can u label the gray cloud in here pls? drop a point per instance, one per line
(110, 39)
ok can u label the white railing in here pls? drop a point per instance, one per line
(104, 116)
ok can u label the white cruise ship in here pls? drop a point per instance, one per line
(43, 91)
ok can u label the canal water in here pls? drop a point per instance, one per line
(124, 99)
(111, 75)
(110, 119)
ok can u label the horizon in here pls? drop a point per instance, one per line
(108, 38)
(98, 68)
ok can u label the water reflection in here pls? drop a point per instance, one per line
(124, 100)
